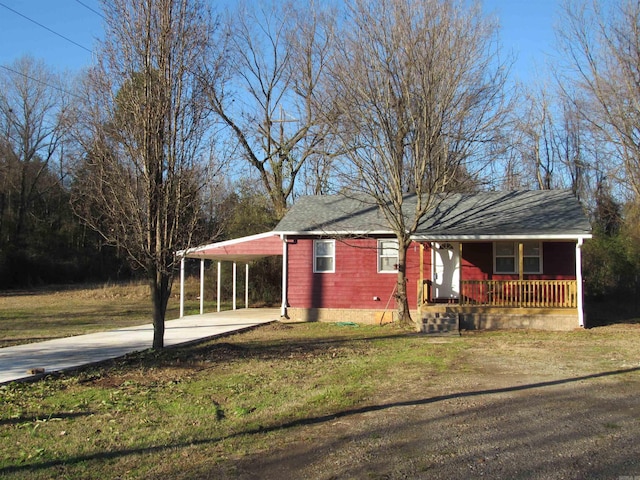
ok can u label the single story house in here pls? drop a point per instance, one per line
(488, 259)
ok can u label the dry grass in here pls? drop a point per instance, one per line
(36, 315)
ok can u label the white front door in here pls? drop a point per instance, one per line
(446, 270)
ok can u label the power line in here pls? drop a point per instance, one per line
(45, 27)
(41, 82)
(89, 8)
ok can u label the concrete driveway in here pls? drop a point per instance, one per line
(17, 362)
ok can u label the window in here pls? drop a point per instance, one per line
(324, 256)
(388, 256)
(506, 257)
(532, 257)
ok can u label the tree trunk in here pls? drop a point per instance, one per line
(160, 291)
(402, 302)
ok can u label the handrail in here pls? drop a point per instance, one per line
(510, 293)
(519, 293)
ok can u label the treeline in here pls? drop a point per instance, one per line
(212, 127)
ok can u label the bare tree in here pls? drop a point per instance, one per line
(420, 88)
(267, 90)
(601, 42)
(146, 131)
(34, 123)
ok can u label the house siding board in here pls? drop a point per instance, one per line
(355, 282)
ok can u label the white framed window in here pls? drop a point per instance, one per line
(324, 256)
(505, 257)
(532, 257)
(388, 256)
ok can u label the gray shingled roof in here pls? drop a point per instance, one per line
(550, 213)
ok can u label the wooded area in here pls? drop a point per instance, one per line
(194, 126)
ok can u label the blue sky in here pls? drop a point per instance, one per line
(527, 30)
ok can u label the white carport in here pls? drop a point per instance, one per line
(242, 250)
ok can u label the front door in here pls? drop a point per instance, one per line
(446, 270)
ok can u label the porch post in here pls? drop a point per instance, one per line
(283, 307)
(579, 282)
(182, 287)
(246, 285)
(520, 261)
(201, 286)
(218, 289)
(234, 284)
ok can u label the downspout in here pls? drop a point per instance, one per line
(283, 308)
(579, 292)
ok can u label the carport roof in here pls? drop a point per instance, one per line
(242, 250)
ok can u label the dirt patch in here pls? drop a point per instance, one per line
(528, 409)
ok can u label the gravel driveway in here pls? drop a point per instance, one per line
(501, 415)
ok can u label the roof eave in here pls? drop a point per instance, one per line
(498, 237)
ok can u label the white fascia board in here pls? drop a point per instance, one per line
(451, 238)
(225, 243)
(336, 233)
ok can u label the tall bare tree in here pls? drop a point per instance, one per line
(420, 89)
(267, 90)
(34, 123)
(601, 42)
(146, 132)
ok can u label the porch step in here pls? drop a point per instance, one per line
(445, 323)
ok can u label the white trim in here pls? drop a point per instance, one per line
(283, 307)
(182, 287)
(201, 286)
(457, 238)
(579, 292)
(246, 285)
(379, 250)
(218, 288)
(333, 257)
(225, 243)
(516, 263)
(514, 256)
(235, 277)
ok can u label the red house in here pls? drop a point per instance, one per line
(481, 260)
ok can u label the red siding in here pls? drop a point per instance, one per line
(356, 280)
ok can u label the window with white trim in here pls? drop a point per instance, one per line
(505, 257)
(532, 257)
(388, 256)
(324, 256)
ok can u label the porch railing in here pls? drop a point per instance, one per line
(509, 293)
(519, 293)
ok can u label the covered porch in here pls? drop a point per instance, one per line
(453, 285)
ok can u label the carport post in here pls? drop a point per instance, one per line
(182, 287)
(246, 286)
(218, 290)
(234, 284)
(201, 286)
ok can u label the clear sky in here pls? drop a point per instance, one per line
(527, 31)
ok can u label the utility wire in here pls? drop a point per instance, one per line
(45, 27)
(89, 8)
(41, 82)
